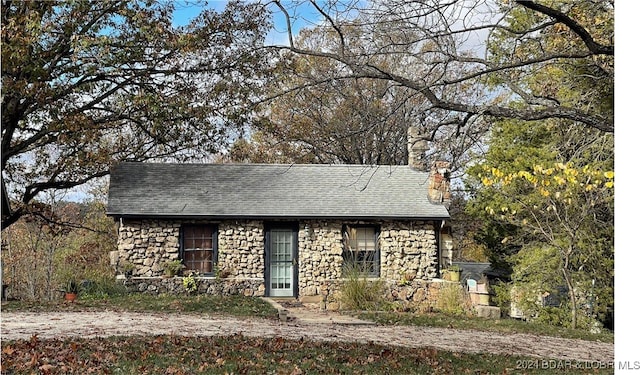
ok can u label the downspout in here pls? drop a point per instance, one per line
(437, 226)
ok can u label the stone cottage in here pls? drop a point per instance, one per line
(281, 230)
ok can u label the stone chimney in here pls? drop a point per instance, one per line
(417, 146)
(439, 180)
(440, 183)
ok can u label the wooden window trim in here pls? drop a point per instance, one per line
(214, 244)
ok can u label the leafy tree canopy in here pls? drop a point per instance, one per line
(549, 193)
(470, 63)
(86, 84)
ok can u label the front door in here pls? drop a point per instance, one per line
(281, 261)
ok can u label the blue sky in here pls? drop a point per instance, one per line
(185, 10)
(303, 15)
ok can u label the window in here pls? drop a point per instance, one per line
(199, 248)
(361, 250)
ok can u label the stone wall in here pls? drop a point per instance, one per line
(206, 285)
(319, 256)
(241, 249)
(147, 245)
(408, 251)
(418, 295)
(408, 256)
(409, 294)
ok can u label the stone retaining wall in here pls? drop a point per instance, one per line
(206, 285)
(410, 294)
(423, 293)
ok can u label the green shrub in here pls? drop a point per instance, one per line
(561, 317)
(102, 287)
(555, 316)
(455, 268)
(360, 293)
(452, 299)
(190, 282)
(174, 267)
(502, 297)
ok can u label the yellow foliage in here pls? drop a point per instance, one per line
(559, 180)
(561, 175)
(524, 174)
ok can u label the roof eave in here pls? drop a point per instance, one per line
(272, 217)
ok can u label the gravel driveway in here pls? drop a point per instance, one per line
(22, 325)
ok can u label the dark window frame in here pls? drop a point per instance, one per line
(214, 249)
(350, 256)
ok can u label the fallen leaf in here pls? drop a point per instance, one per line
(8, 350)
(46, 368)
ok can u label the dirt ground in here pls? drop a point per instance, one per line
(23, 325)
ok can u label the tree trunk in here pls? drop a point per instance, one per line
(572, 293)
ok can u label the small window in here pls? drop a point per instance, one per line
(361, 250)
(199, 248)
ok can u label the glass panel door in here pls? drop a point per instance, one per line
(281, 263)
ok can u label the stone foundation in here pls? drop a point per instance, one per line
(408, 295)
(424, 293)
(206, 285)
(489, 312)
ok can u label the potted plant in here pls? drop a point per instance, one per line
(71, 290)
(454, 272)
(173, 268)
(484, 299)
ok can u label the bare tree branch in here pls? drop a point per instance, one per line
(592, 45)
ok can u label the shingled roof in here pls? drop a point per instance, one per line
(269, 191)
